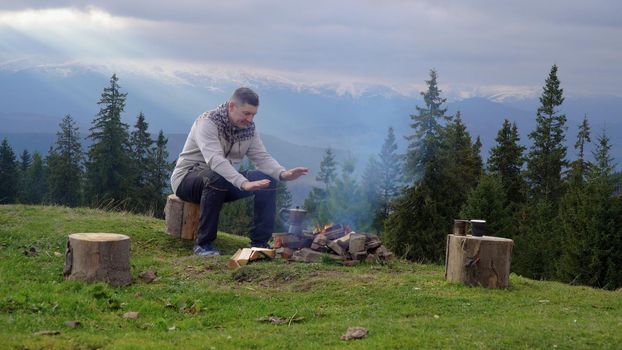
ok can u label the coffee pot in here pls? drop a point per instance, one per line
(294, 217)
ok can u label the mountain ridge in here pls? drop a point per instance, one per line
(34, 100)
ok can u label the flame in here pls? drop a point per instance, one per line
(322, 229)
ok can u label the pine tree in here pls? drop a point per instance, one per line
(141, 146)
(487, 201)
(416, 229)
(477, 161)
(36, 185)
(162, 167)
(159, 170)
(372, 193)
(108, 171)
(25, 161)
(328, 169)
(580, 167)
(506, 161)
(463, 163)
(371, 179)
(590, 218)
(24, 164)
(283, 200)
(427, 125)
(326, 176)
(423, 215)
(539, 243)
(9, 175)
(65, 168)
(345, 202)
(608, 251)
(547, 156)
(390, 173)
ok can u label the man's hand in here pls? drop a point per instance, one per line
(293, 174)
(255, 185)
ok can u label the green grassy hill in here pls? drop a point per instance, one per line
(197, 303)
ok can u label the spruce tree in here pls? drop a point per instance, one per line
(506, 161)
(326, 176)
(547, 155)
(590, 218)
(463, 163)
(9, 173)
(423, 215)
(487, 201)
(602, 186)
(283, 200)
(478, 161)
(25, 161)
(158, 174)
(328, 169)
(416, 230)
(36, 181)
(427, 125)
(371, 179)
(24, 165)
(372, 193)
(390, 179)
(580, 166)
(345, 203)
(65, 165)
(142, 159)
(108, 170)
(538, 246)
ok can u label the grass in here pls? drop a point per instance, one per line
(197, 303)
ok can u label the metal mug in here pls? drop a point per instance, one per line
(478, 228)
(460, 227)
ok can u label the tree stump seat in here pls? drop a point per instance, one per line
(103, 257)
(478, 261)
(182, 218)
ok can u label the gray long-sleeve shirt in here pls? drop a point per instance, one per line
(204, 145)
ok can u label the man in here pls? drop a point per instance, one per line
(205, 172)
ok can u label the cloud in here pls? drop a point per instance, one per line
(475, 45)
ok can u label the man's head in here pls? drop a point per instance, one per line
(242, 107)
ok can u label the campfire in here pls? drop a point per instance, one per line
(333, 241)
(331, 231)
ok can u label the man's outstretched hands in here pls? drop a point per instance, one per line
(255, 185)
(294, 173)
(288, 175)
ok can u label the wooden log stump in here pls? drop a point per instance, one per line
(101, 257)
(182, 218)
(478, 261)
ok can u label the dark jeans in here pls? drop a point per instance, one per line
(211, 191)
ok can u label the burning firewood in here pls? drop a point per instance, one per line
(339, 241)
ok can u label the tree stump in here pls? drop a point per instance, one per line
(182, 218)
(478, 261)
(98, 257)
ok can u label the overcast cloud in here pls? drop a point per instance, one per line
(478, 47)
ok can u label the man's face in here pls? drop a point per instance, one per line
(241, 116)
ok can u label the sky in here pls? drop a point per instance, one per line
(478, 47)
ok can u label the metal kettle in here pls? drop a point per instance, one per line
(294, 217)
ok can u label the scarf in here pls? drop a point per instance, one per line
(226, 130)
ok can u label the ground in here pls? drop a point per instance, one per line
(198, 303)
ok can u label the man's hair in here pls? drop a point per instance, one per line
(245, 95)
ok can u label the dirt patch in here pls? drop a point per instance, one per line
(319, 278)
